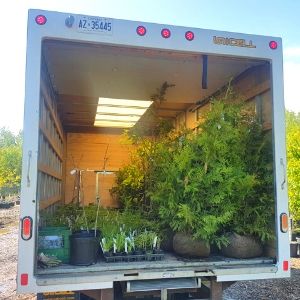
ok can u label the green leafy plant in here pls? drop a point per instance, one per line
(107, 244)
(119, 241)
(130, 243)
(134, 181)
(65, 215)
(256, 215)
(139, 242)
(158, 243)
(215, 181)
(145, 240)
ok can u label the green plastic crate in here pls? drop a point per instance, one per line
(55, 241)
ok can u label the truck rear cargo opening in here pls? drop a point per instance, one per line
(164, 143)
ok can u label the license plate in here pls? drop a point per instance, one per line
(95, 25)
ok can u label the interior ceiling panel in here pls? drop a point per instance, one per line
(81, 73)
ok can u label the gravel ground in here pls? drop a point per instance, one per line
(8, 254)
(279, 289)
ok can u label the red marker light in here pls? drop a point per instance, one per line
(165, 33)
(273, 45)
(189, 35)
(141, 30)
(40, 20)
(285, 265)
(24, 279)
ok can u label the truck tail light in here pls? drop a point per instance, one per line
(284, 222)
(26, 231)
(165, 33)
(273, 45)
(24, 279)
(285, 265)
(141, 30)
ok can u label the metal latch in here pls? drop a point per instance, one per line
(284, 175)
(28, 168)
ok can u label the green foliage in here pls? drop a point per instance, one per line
(256, 215)
(206, 183)
(65, 215)
(293, 156)
(137, 178)
(145, 240)
(10, 160)
(151, 124)
(202, 185)
(8, 138)
(10, 166)
(130, 243)
(130, 186)
(107, 243)
(109, 220)
(119, 241)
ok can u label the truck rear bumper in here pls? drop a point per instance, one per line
(222, 274)
(76, 278)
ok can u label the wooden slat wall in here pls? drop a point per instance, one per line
(51, 145)
(253, 86)
(87, 151)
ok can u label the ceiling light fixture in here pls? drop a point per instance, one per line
(120, 113)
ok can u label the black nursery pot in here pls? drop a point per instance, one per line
(89, 233)
(84, 248)
(158, 251)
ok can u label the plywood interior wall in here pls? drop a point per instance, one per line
(86, 151)
(253, 86)
(51, 147)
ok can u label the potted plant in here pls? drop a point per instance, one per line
(107, 244)
(129, 244)
(140, 242)
(157, 243)
(119, 244)
(150, 237)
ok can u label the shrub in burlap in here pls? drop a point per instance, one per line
(242, 246)
(185, 245)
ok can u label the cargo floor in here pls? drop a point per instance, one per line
(170, 261)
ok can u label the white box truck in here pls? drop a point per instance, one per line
(72, 60)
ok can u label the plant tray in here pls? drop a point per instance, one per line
(129, 258)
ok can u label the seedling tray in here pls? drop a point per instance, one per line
(134, 257)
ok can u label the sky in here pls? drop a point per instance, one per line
(264, 17)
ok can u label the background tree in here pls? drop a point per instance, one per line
(7, 138)
(10, 161)
(293, 170)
